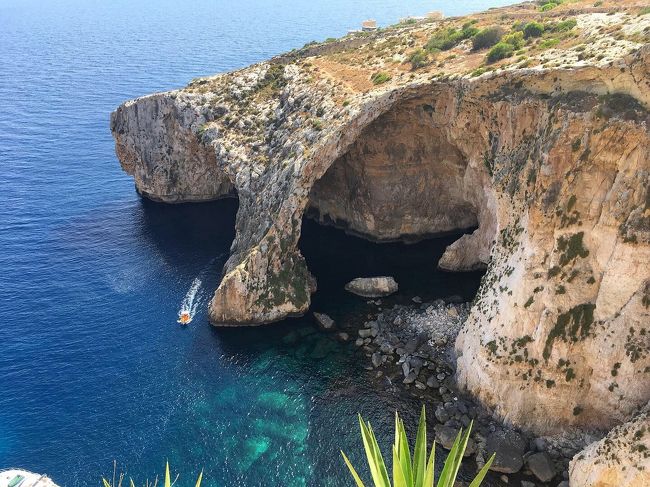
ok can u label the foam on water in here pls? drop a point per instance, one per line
(117, 382)
(190, 302)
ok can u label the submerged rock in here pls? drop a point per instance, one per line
(324, 321)
(372, 287)
(343, 336)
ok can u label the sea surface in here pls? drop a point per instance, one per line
(94, 367)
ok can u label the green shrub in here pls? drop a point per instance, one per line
(533, 29)
(380, 78)
(549, 43)
(501, 51)
(418, 471)
(645, 11)
(565, 25)
(446, 39)
(478, 72)
(443, 40)
(518, 26)
(516, 39)
(487, 38)
(419, 58)
(548, 6)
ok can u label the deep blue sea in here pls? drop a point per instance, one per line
(93, 366)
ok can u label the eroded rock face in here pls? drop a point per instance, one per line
(401, 178)
(551, 163)
(157, 143)
(621, 458)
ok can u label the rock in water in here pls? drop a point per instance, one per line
(324, 321)
(372, 287)
(377, 359)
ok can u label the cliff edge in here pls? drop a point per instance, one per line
(541, 142)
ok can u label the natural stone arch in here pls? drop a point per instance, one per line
(530, 137)
(401, 179)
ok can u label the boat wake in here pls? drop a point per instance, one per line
(190, 303)
(194, 297)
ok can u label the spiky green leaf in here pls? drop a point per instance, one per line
(461, 451)
(399, 479)
(405, 454)
(431, 470)
(482, 473)
(375, 460)
(168, 481)
(420, 451)
(445, 479)
(354, 473)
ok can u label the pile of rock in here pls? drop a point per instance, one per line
(411, 350)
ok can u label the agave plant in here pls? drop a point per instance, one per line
(416, 471)
(117, 482)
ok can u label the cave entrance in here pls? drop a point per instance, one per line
(335, 257)
(404, 184)
(402, 179)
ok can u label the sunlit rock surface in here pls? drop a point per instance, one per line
(547, 157)
(622, 458)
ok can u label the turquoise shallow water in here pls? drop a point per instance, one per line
(93, 366)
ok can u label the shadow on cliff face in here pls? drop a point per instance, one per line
(188, 235)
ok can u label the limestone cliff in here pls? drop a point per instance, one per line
(547, 154)
(621, 458)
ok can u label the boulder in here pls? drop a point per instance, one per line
(542, 466)
(446, 436)
(364, 333)
(372, 287)
(509, 447)
(410, 378)
(621, 458)
(324, 321)
(377, 359)
(441, 414)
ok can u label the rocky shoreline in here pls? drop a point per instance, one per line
(544, 152)
(410, 348)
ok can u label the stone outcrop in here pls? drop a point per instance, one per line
(620, 458)
(547, 157)
(372, 287)
(156, 143)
